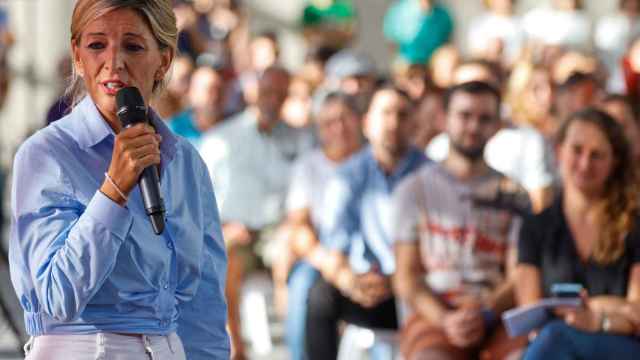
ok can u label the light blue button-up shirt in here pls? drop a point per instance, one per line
(82, 264)
(357, 213)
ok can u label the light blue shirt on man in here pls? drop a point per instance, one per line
(357, 210)
(82, 264)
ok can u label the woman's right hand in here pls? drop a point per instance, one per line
(135, 149)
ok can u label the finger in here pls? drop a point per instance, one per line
(570, 318)
(471, 328)
(137, 130)
(584, 296)
(470, 315)
(145, 150)
(458, 340)
(148, 160)
(141, 140)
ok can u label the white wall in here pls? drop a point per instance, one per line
(41, 29)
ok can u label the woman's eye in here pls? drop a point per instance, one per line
(95, 45)
(133, 47)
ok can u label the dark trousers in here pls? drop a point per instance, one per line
(559, 341)
(326, 306)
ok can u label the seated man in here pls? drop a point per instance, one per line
(455, 224)
(339, 132)
(355, 227)
(249, 158)
(519, 152)
(206, 97)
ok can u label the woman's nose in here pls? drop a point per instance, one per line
(393, 121)
(584, 161)
(115, 59)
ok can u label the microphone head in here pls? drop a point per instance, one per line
(131, 108)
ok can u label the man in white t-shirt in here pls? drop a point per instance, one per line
(339, 132)
(455, 224)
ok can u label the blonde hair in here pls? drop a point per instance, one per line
(157, 13)
(518, 88)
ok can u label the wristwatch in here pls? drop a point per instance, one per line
(605, 323)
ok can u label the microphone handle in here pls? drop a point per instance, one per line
(153, 203)
(149, 183)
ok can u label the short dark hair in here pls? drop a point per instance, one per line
(387, 85)
(320, 54)
(474, 88)
(267, 34)
(576, 78)
(342, 98)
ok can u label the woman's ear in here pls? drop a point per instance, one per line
(75, 56)
(165, 63)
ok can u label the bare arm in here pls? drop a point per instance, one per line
(502, 297)
(528, 279)
(409, 286)
(540, 198)
(623, 313)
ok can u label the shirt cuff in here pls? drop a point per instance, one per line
(114, 217)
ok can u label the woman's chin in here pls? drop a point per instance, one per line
(587, 186)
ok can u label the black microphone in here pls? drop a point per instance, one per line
(131, 111)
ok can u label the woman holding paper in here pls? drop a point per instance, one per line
(589, 236)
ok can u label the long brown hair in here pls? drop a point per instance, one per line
(618, 213)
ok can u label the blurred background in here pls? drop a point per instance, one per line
(34, 47)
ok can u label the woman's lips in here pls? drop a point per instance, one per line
(112, 87)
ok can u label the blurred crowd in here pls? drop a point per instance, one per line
(350, 183)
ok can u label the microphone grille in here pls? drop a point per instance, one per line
(130, 104)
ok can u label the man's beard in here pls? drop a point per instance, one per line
(471, 153)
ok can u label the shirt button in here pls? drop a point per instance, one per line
(170, 245)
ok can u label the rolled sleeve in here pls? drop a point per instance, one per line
(113, 217)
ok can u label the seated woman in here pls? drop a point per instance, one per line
(590, 236)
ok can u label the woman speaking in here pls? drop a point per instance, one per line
(94, 280)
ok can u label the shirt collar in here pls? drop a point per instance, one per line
(95, 128)
(408, 163)
(169, 139)
(411, 160)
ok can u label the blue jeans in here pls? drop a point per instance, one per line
(301, 279)
(559, 341)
